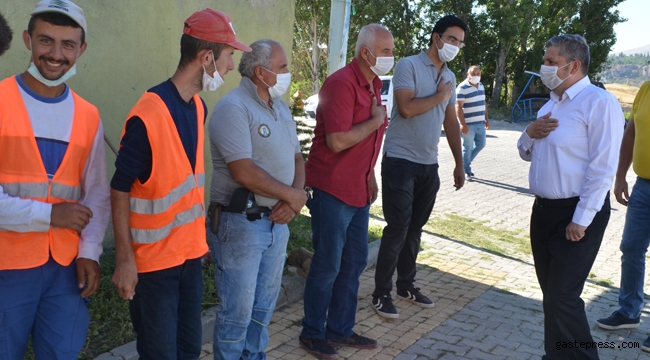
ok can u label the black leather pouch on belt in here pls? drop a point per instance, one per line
(214, 214)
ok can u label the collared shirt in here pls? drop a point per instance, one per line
(345, 100)
(578, 158)
(416, 138)
(243, 126)
(641, 115)
(51, 120)
(473, 101)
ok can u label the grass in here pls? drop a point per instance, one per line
(476, 233)
(110, 322)
(472, 232)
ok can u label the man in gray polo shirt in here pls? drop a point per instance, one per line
(255, 150)
(425, 101)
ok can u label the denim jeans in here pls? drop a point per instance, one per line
(43, 302)
(166, 312)
(340, 238)
(408, 193)
(250, 258)
(636, 238)
(473, 143)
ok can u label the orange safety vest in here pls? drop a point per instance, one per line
(168, 210)
(22, 174)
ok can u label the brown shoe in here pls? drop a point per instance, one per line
(356, 341)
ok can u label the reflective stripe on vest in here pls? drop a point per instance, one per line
(157, 206)
(39, 190)
(182, 218)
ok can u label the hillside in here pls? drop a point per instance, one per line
(639, 50)
(627, 69)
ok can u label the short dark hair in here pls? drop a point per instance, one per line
(56, 19)
(445, 23)
(191, 46)
(5, 35)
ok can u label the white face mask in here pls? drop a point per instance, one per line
(549, 77)
(212, 83)
(383, 64)
(475, 79)
(281, 86)
(448, 51)
(33, 70)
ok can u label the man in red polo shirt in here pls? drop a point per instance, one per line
(350, 125)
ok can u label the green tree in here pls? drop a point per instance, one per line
(311, 33)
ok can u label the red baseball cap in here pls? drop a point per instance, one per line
(213, 26)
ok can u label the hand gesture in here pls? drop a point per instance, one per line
(298, 200)
(444, 88)
(282, 213)
(88, 269)
(459, 177)
(377, 113)
(71, 216)
(541, 127)
(621, 191)
(125, 277)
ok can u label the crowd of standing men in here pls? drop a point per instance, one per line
(55, 197)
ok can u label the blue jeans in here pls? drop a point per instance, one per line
(636, 238)
(166, 312)
(250, 258)
(473, 143)
(340, 256)
(45, 303)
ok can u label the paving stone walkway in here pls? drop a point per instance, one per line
(487, 306)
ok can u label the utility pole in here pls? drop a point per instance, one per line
(339, 29)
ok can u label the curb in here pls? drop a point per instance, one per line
(292, 290)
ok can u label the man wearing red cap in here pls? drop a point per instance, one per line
(54, 195)
(157, 194)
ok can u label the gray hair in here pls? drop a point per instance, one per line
(367, 37)
(262, 51)
(572, 47)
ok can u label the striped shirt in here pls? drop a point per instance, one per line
(474, 101)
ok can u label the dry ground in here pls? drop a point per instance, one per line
(624, 93)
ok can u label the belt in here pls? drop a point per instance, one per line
(251, 210)
(556, 203)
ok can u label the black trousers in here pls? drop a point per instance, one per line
(408, 193)
(562, 268)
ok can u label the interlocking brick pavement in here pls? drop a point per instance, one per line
(487, 306)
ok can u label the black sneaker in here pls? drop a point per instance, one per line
(320, 348)
(618, 321)
(383, 306)
(646, 345)
(355, 341)
(415, 296)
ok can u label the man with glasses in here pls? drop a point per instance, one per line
(424, 95)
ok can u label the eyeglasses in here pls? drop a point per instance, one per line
(453, 41)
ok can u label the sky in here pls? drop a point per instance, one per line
(632, 33)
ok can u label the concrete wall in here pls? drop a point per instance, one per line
(134, 45)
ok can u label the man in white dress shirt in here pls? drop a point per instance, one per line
(573, 149)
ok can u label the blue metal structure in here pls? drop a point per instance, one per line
(524, 108)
